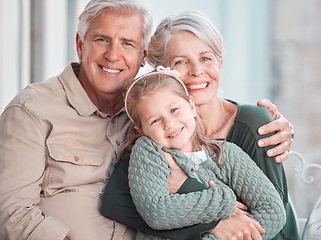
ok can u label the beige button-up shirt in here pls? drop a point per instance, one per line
(56, 152)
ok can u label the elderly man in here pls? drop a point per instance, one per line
(59, 137)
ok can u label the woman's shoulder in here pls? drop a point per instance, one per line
(251, 116)
(253, 113)
(248, 120)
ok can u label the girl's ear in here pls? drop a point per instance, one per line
(138, 130)
(193, 106)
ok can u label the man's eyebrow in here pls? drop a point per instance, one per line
(129, 40)
(95, 35)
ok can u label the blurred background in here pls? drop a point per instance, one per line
(273, 50)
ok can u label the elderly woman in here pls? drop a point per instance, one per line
(190, 43)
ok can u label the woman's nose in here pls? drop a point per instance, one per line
(195, 70)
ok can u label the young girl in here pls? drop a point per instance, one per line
(167, 130)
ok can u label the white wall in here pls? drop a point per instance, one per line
(14, 39)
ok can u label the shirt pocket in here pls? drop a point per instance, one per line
(71, 168)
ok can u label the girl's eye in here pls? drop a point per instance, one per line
(155, 121)
(173, 110)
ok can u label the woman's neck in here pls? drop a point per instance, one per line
(218, 118)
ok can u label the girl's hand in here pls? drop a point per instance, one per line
(177, 177)
(283, 136)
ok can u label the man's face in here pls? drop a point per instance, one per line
(111, 54)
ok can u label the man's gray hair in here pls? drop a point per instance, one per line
(95, 7)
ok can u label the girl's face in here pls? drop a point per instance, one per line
(168, 119)
(199, 68)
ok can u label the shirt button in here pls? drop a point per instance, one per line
(197, 167)
(118, 143)
(76, 158)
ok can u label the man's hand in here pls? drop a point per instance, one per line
(238, 227)
(283, 136)
(177, 177)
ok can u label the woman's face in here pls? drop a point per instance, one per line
(199, 68)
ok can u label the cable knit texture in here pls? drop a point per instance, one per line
(236, 177)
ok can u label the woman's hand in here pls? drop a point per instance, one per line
(177, 177)
(238, 227)
(283, 136)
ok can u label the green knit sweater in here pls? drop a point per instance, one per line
(237, 177)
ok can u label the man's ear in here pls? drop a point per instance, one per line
(79, 44)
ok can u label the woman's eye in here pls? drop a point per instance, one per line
(207, 59)
(180, 62)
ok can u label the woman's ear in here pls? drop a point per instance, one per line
(193, 106)
(220, 64)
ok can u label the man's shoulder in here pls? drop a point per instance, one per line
(36, 92)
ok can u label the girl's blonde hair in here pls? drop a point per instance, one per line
(153, 82)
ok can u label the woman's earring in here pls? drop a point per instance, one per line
(143, 63)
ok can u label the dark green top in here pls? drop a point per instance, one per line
(118, 205)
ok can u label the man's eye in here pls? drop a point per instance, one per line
(102, 40)
(128, 44)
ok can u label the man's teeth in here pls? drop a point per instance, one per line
(110, 70)
(197, 86)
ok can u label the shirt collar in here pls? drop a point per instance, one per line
(76, 94)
